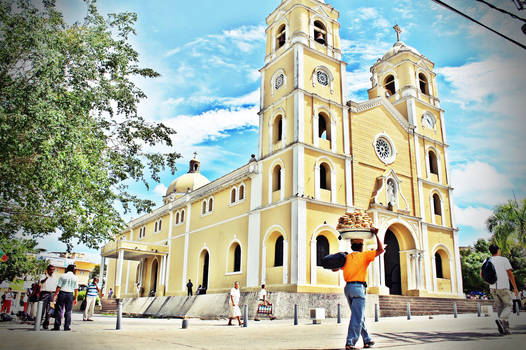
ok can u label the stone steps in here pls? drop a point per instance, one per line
(396, 305)
(109, 306)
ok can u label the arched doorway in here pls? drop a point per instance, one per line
(205, 262)
(153, 281)
(393, 278)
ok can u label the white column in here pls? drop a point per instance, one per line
(333, 185)
(299, 75)
(101, 277)
(260, 143)
(333, 135)
(313, 275)
(263, 263)
(298, 241)
(348, 182)
(451, 279)
(299, 117)
(460, 287)
(270, 137)
(409, 260)
(346, 136)
(427, 268)
(127, 276)
(317, 182)
(253, 247)
(118, 271)
(285, 261)
(315, 130)
(435, 288)
(167, 270)
(188, 215)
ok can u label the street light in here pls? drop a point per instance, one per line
(521, 4)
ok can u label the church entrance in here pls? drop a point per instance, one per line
(153, 283)
(205, 263)
(393, 279)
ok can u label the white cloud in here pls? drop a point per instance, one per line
(172, 52)
(357, 81)
(475, 217)
(481, 183)
(160, 189)
(251, 98)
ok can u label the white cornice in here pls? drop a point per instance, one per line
(381, 101)
(435, 184)
(278, 102)
(435, 142)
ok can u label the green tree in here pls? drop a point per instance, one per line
(471, 261)
(508, 225)
(71, 139)
(95, 272)
(21, 261)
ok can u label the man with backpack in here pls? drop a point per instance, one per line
(497, 271)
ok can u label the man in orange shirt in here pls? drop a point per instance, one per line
(354, 272)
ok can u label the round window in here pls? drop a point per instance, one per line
(323, 78)
(383, 148)
(279, 81)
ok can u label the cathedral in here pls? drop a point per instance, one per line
(319, 155)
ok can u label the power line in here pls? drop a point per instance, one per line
(481, 24)
(502, 10)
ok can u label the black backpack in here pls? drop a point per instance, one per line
(488, 272)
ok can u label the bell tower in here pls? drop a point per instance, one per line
(304, 142)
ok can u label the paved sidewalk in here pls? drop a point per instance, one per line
(441, 332)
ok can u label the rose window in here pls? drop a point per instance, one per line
(279, 81)
(383, 148)
(323, 79)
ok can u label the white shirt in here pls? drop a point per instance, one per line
(502, 265)
(235, 295)
(68, 282)
(262, 294)
(51, 283)
(9, 296)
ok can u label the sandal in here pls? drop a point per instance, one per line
(368, 344)
(350, 347)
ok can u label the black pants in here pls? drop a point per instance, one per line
(516, 304)
(64, 300)
(189, 291)
(46, 298)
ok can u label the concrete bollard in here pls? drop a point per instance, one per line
(479, 312)
(38, 317)
(408, 311)
(119, 314)
(455, 313)
(295, 314)
(245, 316)
(184, 325)
(376, 313)
(339, 313)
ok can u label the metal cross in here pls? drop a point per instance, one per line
(195, 155)
(398, 31)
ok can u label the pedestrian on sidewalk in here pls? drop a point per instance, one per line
(235, 311)
(7, 298)
(91, 299)
(501, 289)
(65, 296)
(189, 286)
(110, 293)
(263, 302)
(354, 272)
(48, 285)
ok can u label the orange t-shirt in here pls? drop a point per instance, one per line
(356, 264)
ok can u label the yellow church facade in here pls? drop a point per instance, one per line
(273, 219)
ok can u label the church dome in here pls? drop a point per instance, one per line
(400, 46)
(190, 181)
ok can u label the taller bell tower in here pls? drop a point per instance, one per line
(304, 123)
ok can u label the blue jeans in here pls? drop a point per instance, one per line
(64, 301)
(355, 294)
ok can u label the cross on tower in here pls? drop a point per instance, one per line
(195, 155)
(398, 30)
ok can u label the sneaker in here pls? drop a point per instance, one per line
(89, 319)
(506, 326)
(500, 326)
(67, 329)
(55, 329)
(369, 344)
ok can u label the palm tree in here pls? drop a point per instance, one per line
(508, 225)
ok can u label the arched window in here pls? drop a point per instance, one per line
(438, 266)
(182, 215)
(324, 131)
(276, 178)
(278, 252)
(237, 258)
(280, 36)
(241, 192)
(320, 33)
(325, 176)
(177, 218)
(277, 129)
(422, 80)
(436, 204)
(203, 211)
(389, 85)
(433, 163)
(322, 248)
(233, 196)
(210, 204)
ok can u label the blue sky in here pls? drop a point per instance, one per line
(208, 54)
